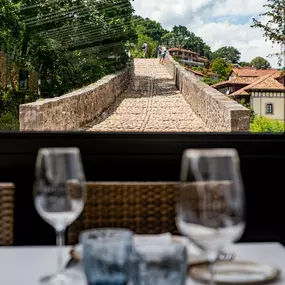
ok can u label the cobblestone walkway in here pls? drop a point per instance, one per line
(155, 105)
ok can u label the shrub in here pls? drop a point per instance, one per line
(12, 99)
(266, 125)
(247, 105)
(137, 52)
(209, 81)
(9, 122)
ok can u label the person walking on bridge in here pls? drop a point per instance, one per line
(144, 48)
(159, 50)
(163, 54)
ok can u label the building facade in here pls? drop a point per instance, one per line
(268, 103)
(263, 89)
(188, 57)
(12, 76)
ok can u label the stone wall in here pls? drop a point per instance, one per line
(75, 109)
(220, 113)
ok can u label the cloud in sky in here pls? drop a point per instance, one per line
(218, 22)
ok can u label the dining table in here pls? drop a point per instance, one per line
(25, 265)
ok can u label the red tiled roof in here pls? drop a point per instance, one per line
(267, 82)
(184, 50)
(252, 72)
(219, 84)
(203, 59)
(279, 75)
(235, 81)
(241, 91)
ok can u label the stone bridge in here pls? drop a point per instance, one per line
(146, 97)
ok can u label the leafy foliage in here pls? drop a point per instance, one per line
(150, 28)
(67, 43)
(169, 39)
(263, 124)
(252, 113)
(8, 122)
(179, 35)
(137, 52)
(229, 53)
(188, 40)
(222, 67)
(260, 63)
(273, 30)
(61, 40)
(244, 63)
(210, 81)
(12, 98)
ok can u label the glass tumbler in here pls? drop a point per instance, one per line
(107, 256)
(161, 264)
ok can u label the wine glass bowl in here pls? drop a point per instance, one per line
(205, 215)
(210, 209)
(59, 192)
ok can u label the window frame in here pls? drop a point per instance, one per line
(266, 110)
(26, 81)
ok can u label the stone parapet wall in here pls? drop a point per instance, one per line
(75, 109)
(220, 113)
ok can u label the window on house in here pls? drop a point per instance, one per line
(269, 108)
(23, 80)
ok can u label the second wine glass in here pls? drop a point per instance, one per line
(59, 195)
(210, 206)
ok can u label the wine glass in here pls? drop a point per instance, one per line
(59, 195)
(210, 209)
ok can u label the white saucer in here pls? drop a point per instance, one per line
(236, 273)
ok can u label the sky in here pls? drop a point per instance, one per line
(218, 22)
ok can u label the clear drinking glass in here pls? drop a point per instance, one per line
(161, 264)
(107, 256)
(210, 207)
(59, 195)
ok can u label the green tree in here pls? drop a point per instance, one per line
(197, 44)
(244, 63)
(260, 63)
(169, 39)
(209, 80)
(222, 67)
(137, 51)
(152, 29)
(56, 38)
(68, 43)
(181, 33)
(229, 53)
(266, 125)
(274, 29)
(207, 52)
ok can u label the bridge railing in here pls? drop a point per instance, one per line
(74, 110)
(220, 113)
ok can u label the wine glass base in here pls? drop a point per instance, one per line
(61, 279)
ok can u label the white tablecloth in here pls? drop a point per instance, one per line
(25, 265)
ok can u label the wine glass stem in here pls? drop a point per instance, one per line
(211, 260)
(60, 244)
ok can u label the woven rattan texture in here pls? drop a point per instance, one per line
(6, 213)
(145, 208)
